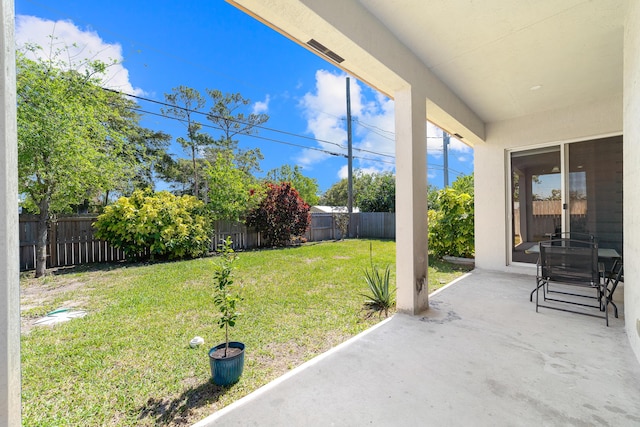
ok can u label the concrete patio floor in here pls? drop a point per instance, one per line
(480, 356)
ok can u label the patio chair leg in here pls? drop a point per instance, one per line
(533, 292)
(606, 309)
(615, 309)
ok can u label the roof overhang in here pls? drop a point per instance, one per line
(477, 62)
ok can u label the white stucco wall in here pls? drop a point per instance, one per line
(632, 174)
(492, 211)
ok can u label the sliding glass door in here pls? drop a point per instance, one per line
(536, 193)
(570, 187)
(595, 190)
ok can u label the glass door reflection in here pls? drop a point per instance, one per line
(536, 187)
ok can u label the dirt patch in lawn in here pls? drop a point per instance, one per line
(38, 295)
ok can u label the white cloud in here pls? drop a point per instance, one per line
(373, 125)
(343, 173)
(325, 111)
(261, 106)
(79, 45)
(456, 145)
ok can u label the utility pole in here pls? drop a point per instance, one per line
(445, 149)
(349, 153)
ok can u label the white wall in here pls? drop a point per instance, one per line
(632, 173)
(577, 123)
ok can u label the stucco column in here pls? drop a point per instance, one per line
(631, 174)
(411, 201)
(9, 244)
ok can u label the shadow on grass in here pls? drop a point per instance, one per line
(443, 266)
(177, 411)
(103, 266)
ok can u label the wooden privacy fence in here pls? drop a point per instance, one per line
(71, 240)
(545, 217)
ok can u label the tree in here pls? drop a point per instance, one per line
(306, 187)
(379, 195)
(148, 151)
(185, 103)
(229, 189)
(336, 195)
(227, 116)
(179, 174)
(72, 137)
(247, 161)
(371, 192)
(281, 215)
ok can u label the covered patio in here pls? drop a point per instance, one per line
(547, 93)
(479, 356)
(508, 78)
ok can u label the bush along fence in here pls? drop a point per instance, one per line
(72, 241)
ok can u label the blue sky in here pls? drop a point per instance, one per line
(164, 44)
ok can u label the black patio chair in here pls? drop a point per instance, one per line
(611, 279)
(567, 263)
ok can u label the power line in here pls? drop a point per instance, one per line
(331, 153)
(280, 141)
(241, 122)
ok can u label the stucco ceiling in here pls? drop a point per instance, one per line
(511, 58)
(486, 60)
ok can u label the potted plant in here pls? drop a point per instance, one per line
(226, 359)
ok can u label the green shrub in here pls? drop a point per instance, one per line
(451, 229)
(156, 225)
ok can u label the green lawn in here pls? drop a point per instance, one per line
(128, 361)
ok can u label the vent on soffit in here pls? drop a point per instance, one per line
(325, 51)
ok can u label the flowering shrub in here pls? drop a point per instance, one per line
(156, 225)
(281, 215)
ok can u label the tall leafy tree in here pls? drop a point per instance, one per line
(379, 195)
(147, 150)
(371, 192)
(336, 195)
(229, 188)
(179, 174)
(247, 161)
(307, 187)
(186, 103)
(71, 137)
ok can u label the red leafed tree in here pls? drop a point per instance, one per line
(280, 215)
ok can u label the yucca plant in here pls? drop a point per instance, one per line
(380, 298)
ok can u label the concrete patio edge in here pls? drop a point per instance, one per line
(269, 386)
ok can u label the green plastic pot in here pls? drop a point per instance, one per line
(227, 370)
